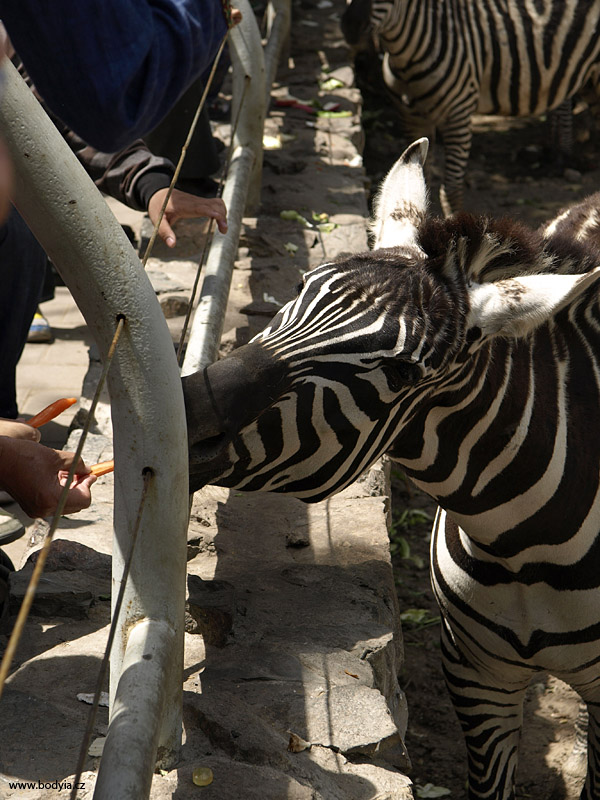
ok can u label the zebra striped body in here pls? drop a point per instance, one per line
(580, 222)
(445, 61)
(466, 349)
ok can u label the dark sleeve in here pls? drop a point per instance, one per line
(131, 176)
(112, 69)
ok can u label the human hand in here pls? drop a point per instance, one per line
(34, 475)
(183, 205)
(18, 429)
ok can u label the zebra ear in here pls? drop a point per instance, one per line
(518, 306)
(401, 202)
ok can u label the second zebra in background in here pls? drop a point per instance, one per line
(445, 61)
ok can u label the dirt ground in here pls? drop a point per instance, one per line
(512, 172)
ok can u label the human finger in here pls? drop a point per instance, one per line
(166, 232)
(79, 495)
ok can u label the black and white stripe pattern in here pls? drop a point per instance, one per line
(467, 349)
(445, 61)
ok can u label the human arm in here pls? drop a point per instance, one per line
(140, 180)
(34, 475)
(112, 69)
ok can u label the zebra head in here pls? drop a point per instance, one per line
(341, 371)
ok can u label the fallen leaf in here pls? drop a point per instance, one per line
(89, 698)
(429, 790)
(331, 84)
(327, 227)
(295, 217)
(271, 142)
(297, 744)
(96, 748)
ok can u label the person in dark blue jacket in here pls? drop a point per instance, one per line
(112, 69)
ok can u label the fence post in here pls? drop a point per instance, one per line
(242, 187)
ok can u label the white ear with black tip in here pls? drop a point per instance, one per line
(401, 203)
(517, 306)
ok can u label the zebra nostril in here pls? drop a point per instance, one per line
(208, 449)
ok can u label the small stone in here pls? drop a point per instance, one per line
(210, 609)
(174, 306)
(202, 776)
(297, 539)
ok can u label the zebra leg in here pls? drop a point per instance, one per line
(456, 135)
(573, 769)
(561, 130)
(490, 711)
(591, 790)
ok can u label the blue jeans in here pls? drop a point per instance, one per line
(22, 271)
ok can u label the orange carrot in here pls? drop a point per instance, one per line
(51, 411)
(103, 468)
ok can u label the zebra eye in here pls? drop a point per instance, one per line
(400, 374)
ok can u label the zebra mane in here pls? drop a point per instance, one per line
(487, 249)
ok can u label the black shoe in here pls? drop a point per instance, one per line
(11, 528)
(6, 567)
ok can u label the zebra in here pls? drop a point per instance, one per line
(444, 61)
(580, 221)
(466, 349)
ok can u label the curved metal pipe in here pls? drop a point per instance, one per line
(136, 712)
(72, 222)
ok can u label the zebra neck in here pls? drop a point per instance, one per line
(472, 450)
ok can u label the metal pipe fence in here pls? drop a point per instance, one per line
(71, 220)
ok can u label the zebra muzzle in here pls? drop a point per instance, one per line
(220, 401)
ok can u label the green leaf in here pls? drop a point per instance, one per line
(418, 618)
(400, 547)
(295, 217)
(410, 517)
(331, 84)
(327, 227)
(333, 114)
(429, 790)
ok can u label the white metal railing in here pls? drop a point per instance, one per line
(72, 222)
(253, 74)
